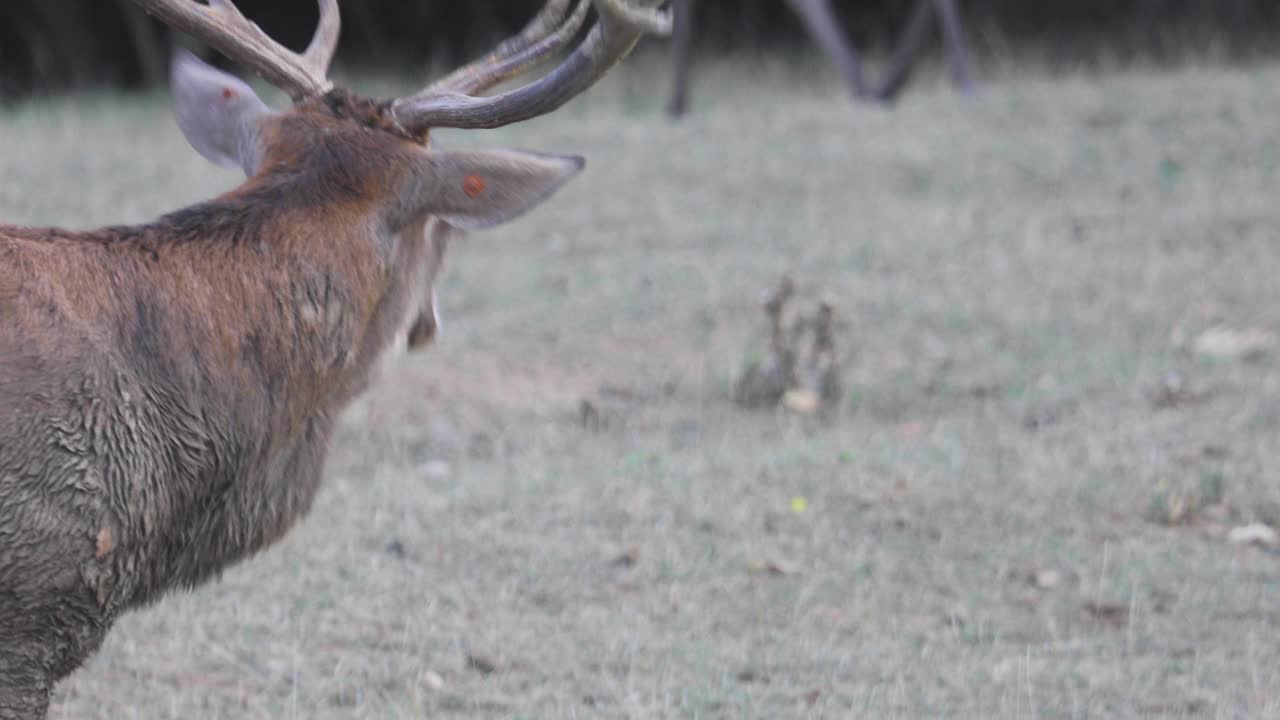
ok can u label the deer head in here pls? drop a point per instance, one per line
(378, 151)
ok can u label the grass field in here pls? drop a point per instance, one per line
(1020, 510)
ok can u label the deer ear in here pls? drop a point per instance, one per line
(217, 113)
(478, 189)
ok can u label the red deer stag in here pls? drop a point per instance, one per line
(168, 391)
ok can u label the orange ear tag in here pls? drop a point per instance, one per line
(473, 185)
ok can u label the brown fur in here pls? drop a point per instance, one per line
(167, 391)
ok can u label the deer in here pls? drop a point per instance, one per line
(819, 20)
(168, 391)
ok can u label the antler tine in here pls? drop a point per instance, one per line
(223, 26)
(516, 63)
(619, 28)
(647, 19)
(324, 44)
(476, 76)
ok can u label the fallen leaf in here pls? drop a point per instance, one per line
(775, 566)
(432, 680)
(1046, 579)
(1226, 343)
(1257, 534)
(802, 401)
(436, 469)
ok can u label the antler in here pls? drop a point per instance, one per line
(221, 25)
(542, 36)
(452, 101)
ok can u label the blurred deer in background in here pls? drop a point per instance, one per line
(168, 391)
(820, 22)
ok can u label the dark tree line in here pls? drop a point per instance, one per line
(52, 45)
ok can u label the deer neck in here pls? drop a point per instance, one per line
(288, 313)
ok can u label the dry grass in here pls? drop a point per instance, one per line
(1016, 272)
